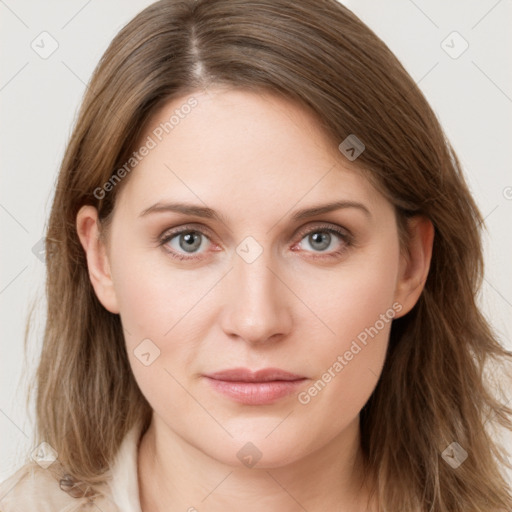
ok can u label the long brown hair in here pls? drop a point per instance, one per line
(433, 390)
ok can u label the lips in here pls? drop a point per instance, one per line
(246, 375)
(255, 388)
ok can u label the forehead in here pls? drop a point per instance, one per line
(241, 150)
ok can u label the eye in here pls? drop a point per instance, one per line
(321, 239)
(184, 243)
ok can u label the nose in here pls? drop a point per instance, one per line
(258, 305)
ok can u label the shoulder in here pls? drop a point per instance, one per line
(37, 489)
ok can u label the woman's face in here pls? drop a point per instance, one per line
(257, 279)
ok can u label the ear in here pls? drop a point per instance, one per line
(414, 262)
(87, 227)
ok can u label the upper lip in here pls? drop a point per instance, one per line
(246, 375)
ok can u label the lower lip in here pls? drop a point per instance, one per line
(256, 393)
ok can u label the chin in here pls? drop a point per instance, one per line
(257, 452)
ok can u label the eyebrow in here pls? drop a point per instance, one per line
(208, 213)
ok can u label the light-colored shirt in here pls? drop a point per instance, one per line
(35, 489)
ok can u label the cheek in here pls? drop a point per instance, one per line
(142, 297)
(162, 313)
(353, 295)
(152, 295)
(357, 308)
(153, 303)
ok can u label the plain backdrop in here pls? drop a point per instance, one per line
(456, 51)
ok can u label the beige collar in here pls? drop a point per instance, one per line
(124, 485)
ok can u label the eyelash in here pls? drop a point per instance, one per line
(345, 237)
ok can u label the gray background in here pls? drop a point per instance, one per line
(470, 93)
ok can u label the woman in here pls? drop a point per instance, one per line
(201, 352)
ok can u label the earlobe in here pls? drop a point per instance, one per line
(97, 259)
(415, 263)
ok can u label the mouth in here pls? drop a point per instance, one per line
(255, 388)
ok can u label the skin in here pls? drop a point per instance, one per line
(256, 159)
